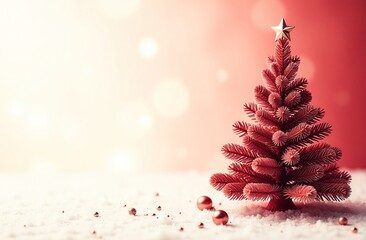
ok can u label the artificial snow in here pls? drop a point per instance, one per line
(63, 207)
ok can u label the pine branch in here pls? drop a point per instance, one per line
(281, 83)
(275, 69)
(282, 53)
(283, 114)
(238, 153)
(313, 147)
(318, 116)
(262, 191)
(317, 132)
(266, 118)
(251, 109)
(306, 174)
(292, 99)
(220, 180)
(246, 172)
(275, 100)
(336, 177)
(279, 138)
(269, 79)
(258, 147)
(326, 155)
(304, 115)
(332, 191)
(267, 166)
(330, 168)
(234, 191)
(298, 133)
(297, 85)
(295, 59)
(270, 60)
(240, 128)
(304, 100)
(260, 134)
(291, 70)
(291, 157)
(261, 96)
(301, 193)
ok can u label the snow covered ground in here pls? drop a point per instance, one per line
(63, 207)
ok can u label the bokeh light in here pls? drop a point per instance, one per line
(171, 98)
(148, 48)
(222, 75)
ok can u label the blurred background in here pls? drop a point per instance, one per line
(150, 86)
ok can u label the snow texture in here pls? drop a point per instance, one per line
(63, 207)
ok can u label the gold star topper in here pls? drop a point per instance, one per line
(282, 30)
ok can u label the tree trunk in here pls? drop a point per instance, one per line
(280, 204)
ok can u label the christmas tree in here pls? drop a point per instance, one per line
(282, 159)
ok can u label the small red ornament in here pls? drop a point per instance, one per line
(220, 217)
(96, 214)
(201, 225)
(157, 194)
(354, 230)
(158, 208)
(132, 211)
(181, 229)
(94, 232)
(342, 221)
(204, 202)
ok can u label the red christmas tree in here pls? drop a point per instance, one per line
(281, 158)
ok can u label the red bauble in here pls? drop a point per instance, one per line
(204, 202)
(220, 217)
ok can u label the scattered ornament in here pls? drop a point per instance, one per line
(167, 215)
(94, 232)
(132, 211)
(180, 212)
(153, 215)
(342, 221)
(25, 225)
(146, 214)
(125, 205)
(96, 214)
(354, 230)
(157, 194)
(201, 225)
(63, 211)
(220, 203)
(181, 229)
(220, 217)
(158, 208)
(204, 202)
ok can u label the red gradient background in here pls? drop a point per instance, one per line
(73, 62)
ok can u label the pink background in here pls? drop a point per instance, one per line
(156, 85)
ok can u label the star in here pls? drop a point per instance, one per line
(282, 30)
